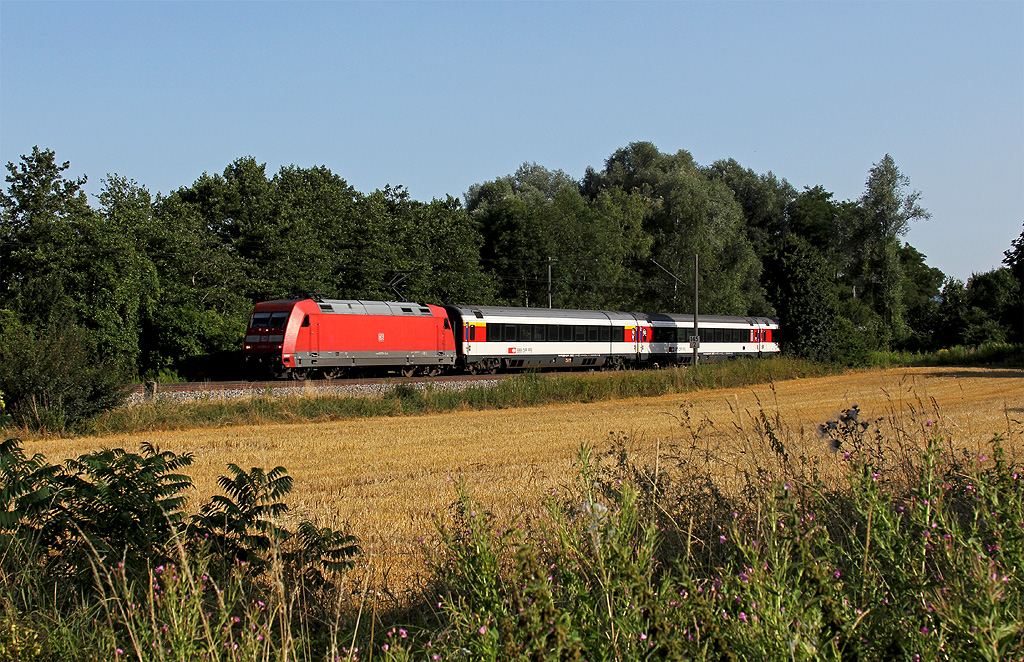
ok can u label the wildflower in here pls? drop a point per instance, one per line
(483, 629)
(837, 574)
(402, 633)
(721, 538)
(643, 637)
(743, 616)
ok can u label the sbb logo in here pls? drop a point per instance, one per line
(511, 350)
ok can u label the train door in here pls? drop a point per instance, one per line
(311, 329)
(443, 331)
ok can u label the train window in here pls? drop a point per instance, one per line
(278, 320)
(579, 333)
(260, 319)
(552, 333)
(592, 332)
(525, 332)
(472, 332)
(606, 333)
(511, 332)
(662, 334)
(493, 331)
(618, 333)
(305, 321)
(447, 325)
(566, 333)
(538, 333)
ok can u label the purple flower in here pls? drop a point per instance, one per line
(743, 616)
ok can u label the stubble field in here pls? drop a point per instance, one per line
(384, 479)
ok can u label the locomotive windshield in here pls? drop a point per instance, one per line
(273, 320)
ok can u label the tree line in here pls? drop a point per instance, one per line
(167, 282)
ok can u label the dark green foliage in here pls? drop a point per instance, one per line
(98, 510)
(687, 213)
(799, 287)
(985, 310)
(75, 523)
(54, 378)
(921, 294)
(167, 284)
(537, 214)
(240, 525)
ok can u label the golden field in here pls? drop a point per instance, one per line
(382, 479)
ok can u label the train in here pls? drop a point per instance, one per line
(324, 338)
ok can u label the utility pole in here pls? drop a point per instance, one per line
(696, 329)
(695, 338)
(549, 281)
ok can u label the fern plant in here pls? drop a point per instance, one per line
(241, 525)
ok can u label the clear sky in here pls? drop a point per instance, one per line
(440, 96)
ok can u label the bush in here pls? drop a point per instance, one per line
(54, 379)
(69, 524)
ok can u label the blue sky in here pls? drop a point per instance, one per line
(440, 96)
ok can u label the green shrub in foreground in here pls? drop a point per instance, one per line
(915, 554)
(918, 561)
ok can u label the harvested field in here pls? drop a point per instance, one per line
(382, 479)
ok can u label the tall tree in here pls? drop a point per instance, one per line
(1014, 260)
(63, 260)
(687, 215)
(800, 288)
(885, 213)
(765, 199)
(537, 215)
(922, 286)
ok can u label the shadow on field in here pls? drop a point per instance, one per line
(999, 373)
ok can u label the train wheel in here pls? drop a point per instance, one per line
(408, 372)
(433, 371)
(332, 373)
(300, 375)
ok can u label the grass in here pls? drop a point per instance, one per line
(990, 354)
(526, 390)
(382, 479)
(736, 530)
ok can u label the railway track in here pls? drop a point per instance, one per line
(213, 387)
